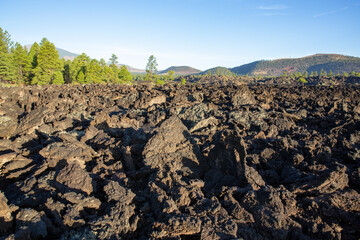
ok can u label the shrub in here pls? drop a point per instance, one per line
(183, 81)
(302, 80)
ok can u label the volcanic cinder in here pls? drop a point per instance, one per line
(179, 162)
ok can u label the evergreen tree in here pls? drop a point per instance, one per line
(79, 64)
(102, 63)
(49, 64)
(21, 63)
(124, 75)
(66, 71)
(58, 78)
(107, 74)
(115, 75)
(6, 68)
(93, 73)
(33, 53)
(113, 59)
(80, 78)
(151, 69)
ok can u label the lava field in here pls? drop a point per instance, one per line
(179, 162)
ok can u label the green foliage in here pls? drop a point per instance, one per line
(33, 53)
(58, 78)
(107, 74)
(113, 59)
(79, 65)
(160, 81)
(124, 75)
(6, 68)
(330, 74)
(21, 64)
(336, 63)
(49, 64)
(218, 71)
(170, 75)
(81, 78)
(66, 71)
(151, 68)
(183, 81)
(93, 72)
(302, 80)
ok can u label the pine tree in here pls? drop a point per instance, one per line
(21, 63)
(66, 71)
(33, 53)
(79, 64)
(124, 75)
(58, 78)
(93, 73)
(80, 78)
(151, 69)
(49, 64)
(107, 74)
(6, 68)
(113, 59)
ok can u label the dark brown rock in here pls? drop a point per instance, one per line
(213, 161)
(32, 221)
(74, 177)
(243, 96)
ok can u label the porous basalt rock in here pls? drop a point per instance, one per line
(196, 161)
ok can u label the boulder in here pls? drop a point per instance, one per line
(73, 177)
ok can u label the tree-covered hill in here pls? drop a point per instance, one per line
(326, 62)
(181, 70)
(218, 71)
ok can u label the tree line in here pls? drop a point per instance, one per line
(42, 65)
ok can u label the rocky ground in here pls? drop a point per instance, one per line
(179, 162)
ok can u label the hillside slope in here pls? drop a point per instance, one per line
(219, 71)
(334, 62)
(181, 70)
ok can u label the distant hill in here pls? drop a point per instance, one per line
(132, 70)
(62, 53)
(220, 71)
(181, 70)
(334, 62)
(66, 54)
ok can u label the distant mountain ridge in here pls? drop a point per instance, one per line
(62, 53)
(314, 63)
(66, 54)
(181, 70)
(328, 62)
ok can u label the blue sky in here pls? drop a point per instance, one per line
(198, 33)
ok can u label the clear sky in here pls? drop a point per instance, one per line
(197, 33)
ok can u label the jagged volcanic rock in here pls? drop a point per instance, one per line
(179, 162)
